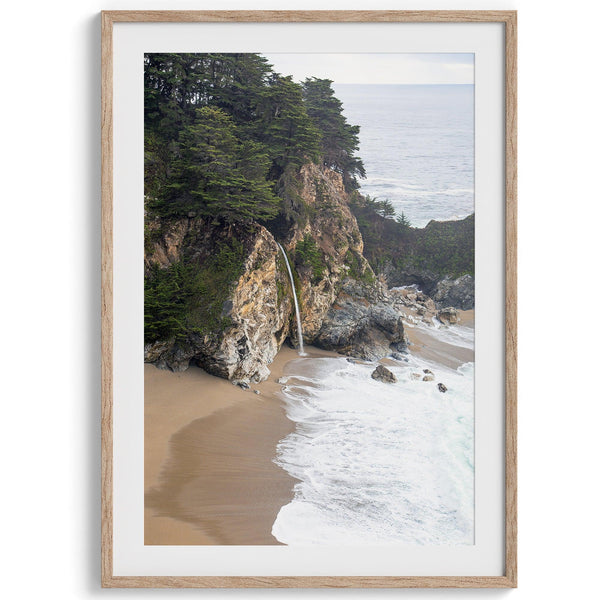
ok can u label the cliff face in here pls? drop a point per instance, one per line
(239, 307)
(239, 337)
(338, 247)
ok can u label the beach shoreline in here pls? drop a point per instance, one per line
(210, 476)
(209, 446)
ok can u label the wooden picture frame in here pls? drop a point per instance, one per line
(509, 21)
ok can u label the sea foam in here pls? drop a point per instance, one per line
(377, 463)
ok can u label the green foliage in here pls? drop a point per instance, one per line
(356, 268)
(225, 136)
(228, 160)
(216, 174)
(443, 248)
(176, 84)
(167, 295)
(309, 255)
(215, 278)
(403, 220)
(283, 125)
(383, 208)
(446, 247)
(339, 140)
(280, 292)
(188, 297)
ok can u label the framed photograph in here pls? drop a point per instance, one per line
(309, 299)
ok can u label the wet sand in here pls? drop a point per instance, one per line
(209, 449)
(425, 345)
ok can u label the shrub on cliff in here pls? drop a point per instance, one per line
(442, 248)
(188, 297)
(309, 255)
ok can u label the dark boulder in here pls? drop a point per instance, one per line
(361, 325)
(459, 293)
(383, 374)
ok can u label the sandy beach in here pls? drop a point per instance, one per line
(423, 343)
(209, 446)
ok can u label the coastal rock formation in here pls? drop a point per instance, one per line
(444, 291)
(459, 293)
(433, 258)
(362, 323)
(409, 276)
(235, 329)
(327, 248)
(381, 373)
(240, 336)
(238, 303)
(413, 304)
(448, 316)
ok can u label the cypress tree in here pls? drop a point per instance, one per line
(216, 174)
(284, 127)
(339, 140)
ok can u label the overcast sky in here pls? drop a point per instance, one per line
(377, 68)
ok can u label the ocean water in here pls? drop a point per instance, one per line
(417, 145)
(382, 464)
(378, 463)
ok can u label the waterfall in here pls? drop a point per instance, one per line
(298, 322)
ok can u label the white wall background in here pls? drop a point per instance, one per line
(49, 315)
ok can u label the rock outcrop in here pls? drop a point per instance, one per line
(430, 258)
(414, 305)
(338, 246)
(448, 316)
(363, 323)
(459, 293)
(254, 318)
(236, 328)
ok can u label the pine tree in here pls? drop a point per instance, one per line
(339, 140)
(217, 174)
(284, 126)
(403, 220)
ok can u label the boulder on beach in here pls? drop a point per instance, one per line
(363, 323)
(448, 316)
(381, 373)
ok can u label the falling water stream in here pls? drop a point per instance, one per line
(298, 322)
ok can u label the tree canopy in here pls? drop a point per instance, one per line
(226, 135)
(339, 139)
(215, 173)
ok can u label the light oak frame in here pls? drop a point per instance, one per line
(509, 19)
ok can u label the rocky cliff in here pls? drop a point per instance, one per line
(238, 306)
(238, 319)
(327, 249)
